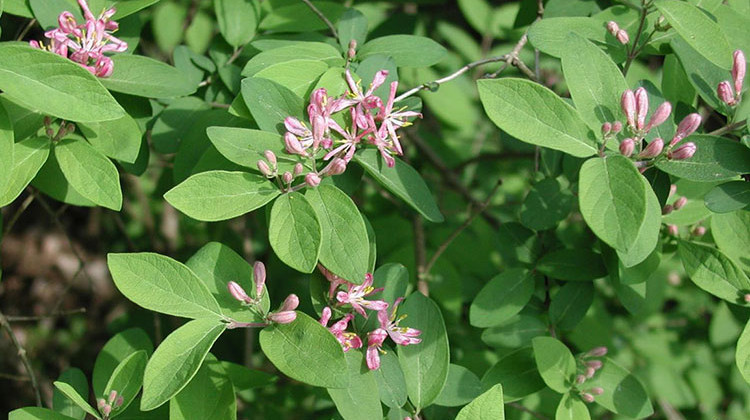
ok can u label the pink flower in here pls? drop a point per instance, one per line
(379, 138)
(393, 120)
(335, 280)
(350, 141)
(375, 341)
(348, 340)
(400, 335)
(364, 101)
(355, 296)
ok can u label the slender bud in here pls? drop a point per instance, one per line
(264, 169)
(680, 203)
(47, 120)
(672, 190)
(653, 149)
(622, 36)
(586, 397)
(337, 166)
(597, 351)
(606, 129)
(318, 130)
(238, 292)
(699, 231)
(673, 230)
(287, 177)
(686, 151)
(746, 297)
(686, 127)
(616, 127)
(259, 277)
(725, 93)
(325, 316)
(100, 403)
(312, 179)
(106, 410)
(659, 116)
(580, 379)
(627, 147)
(590, 372)
(293, 145)
(352, 51)
(271, 157)
(290, 303)
(596, 364)
(627, 102)
(112, 396)
(667, 209)
(641, 107)
(738, 71)
(119, 401)
(613, 27)
(298, 168)
(597, 390)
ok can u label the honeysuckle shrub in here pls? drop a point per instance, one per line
(425, 210)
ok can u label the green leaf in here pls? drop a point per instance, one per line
(555, 362)
(142, 76)
(246, 147)
(127, 379)
(513, 105)
(117, 349)
(161, 284)
(515, 332)
(546, 205)
(390, 381)
(270, 103)
(518, 374)
(704, 75)
(352, 27)
(714, 272)
(245, 379)
(76, 398)
(177, 360)
(596, 94)
(357, 401)
(406, 50)
(460, 388)
(488, 406)
(316, 51)
(62, 404)
(6, 147)
(174, 123)
(297, 17)
(237, 20)
(344, 248)
(728, 197)
(619, 205)
(572, 264)
(294, 232)
(36, 413)
(698, 30)
(731, 232)
(716, 159)
(89, 172)
(306, 351)
(128, 7)
(403, 181)
(299, 76)
(501, 298)
(28, 157)
(119, 139)
(572, 408)
(549, 35)
(47, 11)
(425, 365)
(50, 84)
(570, 304)
(623, 392)
(208, 396)
(221, 195)
(742, 355)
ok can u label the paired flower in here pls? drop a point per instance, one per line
(348, 340)
(86, 42)
(355, 296)
(724, 89)
(284, 315)
(621, 34)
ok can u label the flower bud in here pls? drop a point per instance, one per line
(312, 179)
(264, 169)
(586, 397)
(672, 190)
(667, 209)
(653, 149)
(738, 71)
(282, 317)
(106, 410)
(49, 132)
(353, 44)
(613, 27)
(659, 116)
(627, 147)
(746, 297)
(238, 292)
(686, 127)
(725, 93)
(673, 230)
(596, 364)
(100, 403)
(597, 390)
(680, 203)
(293, 145)
(590, 372)
(622, 36)
(259, 277)
(337, 166)
(641, 107)
(298, 168)
(112, 396)
(325, 316)
(270, 157)
(627, 102)
(606, 129)
(287, 177)
(597, 351)
(686, 151)
(119, 401)
(290, 303)
(699, 231)
(580, 379)
(616, 127)
(318, 130)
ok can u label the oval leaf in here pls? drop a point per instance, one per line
(572, 264)
(716, 159)
(127, 378)
(555, 363)
(208, 396)
(89, 172)
(358, 401)
(623, 392)
(294, 232)
(501, 298)
(142, 76)
(488, 406)
(714, 272)
(28, 157)
(406, 50)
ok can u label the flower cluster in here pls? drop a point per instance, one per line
(368, 120)
(113, 402)
(589, 362)
(86, 42)
(724, 89)
(284, 315)
(354, 297)
(621, 34)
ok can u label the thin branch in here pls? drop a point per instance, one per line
(14, 377)
(633, 53)
(420, 254)
(519, 407)
(25, 360)
(323, 18)
(728, 128)
(50, 315)
(500, 156)
(18, 213)
(25, 30)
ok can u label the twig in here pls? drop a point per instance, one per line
(22, 354)
(18, 213)
(235, 55)
(49, 315)
(26, 30)
(632, 54)
(14, 377)
(728, 128)
(420, 254)
(493, 156)
(519, 407)
(323, 18)
(472, 215)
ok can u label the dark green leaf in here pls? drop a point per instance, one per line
(501, 298)
(572, 264)
(294, 232)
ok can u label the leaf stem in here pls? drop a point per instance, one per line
(323, 18)
(22, 354)
(633, 53)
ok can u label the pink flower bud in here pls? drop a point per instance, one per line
(282, 317)
(67, 22)
(259, 277)
(627, 102)
(686, 127)
(680, 203)
(597, 390)
(337, 166)
(238, 292)
(746, 297)
(738, 71)
(580, 379)
(623, 36)
(35, 44)
(641, 107)
(613, 27)
(319, 130)
(597, 351)
(290, 303)
(312, 179)
(287, 177)
(590, 372)
(298, 168)
(616, 127)
(659, 116)
(264, 169)
(325, 316)
(49, 132)
(699, 231)
(112, 396)
(686, 151)
(596, 364)
(672, 190)
(270, 157)
(106, 410)
(606, 129)
(100, 403)
(627, 147)
(667, 209)
(587, 398)
(119, 401)
(653, 149)
(673, 230)
(725, 93)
